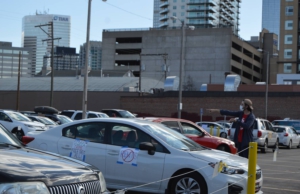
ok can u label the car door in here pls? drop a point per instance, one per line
(94, 134)
(295, 139)
(197, 135)
(123, 149)
(6, 121)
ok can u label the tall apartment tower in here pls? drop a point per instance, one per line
(198, 13)
(289, 54)
(271, 16)
(32, 37)
(95, 55)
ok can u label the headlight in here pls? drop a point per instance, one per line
(102, 184)
(24, 188)
(229, 169)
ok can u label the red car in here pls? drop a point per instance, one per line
(196, 133)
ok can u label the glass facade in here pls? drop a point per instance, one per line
(32, 37)
(271, 16)
(199, 13)
(95, 55)
(156, 14)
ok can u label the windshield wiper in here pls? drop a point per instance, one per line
(9, 144)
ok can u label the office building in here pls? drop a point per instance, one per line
(210, 54)
(198, 13)
(9, 61)
(289, 56)
(32, 37)
(271, 16)
(66, 58)
(95, 55)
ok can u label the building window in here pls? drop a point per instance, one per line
(287, 53)
(288, 39)
(182, 0)
(289, 10)
(287, 68)
(182, 13)
(182, 7)
(289, 25)
(174, 7)
(174, 14)
(174, 0)
(287, 82)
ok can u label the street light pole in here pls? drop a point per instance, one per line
(267, 84)
(181, 69)
(87, 47)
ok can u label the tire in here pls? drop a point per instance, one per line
(18, 133)
(290, 145)
(223, 148)
(188, 183)
(298, 145)
(223, 135)
(264, 150)
(276, 146)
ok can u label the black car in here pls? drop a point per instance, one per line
(27, 170)
(118, 113)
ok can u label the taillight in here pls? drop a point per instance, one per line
(259, 134)
(26, 139)
(286, 134)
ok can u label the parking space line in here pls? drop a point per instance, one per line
(297, 191)
(278, 165)
(282, 179)
(278, 160)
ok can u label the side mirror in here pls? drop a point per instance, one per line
(147, 146)
(58, 122)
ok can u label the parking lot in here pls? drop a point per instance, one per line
(282, 176)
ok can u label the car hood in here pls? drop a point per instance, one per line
(22, 165)
(213, 156)
(220, 139)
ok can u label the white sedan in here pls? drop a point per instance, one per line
(288, 136)
(132, 153)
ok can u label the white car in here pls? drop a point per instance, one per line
(288, 136)
(207, 126)
(112, 146)
(77, 114)
(18, 123)
(48, 122)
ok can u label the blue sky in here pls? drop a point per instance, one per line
(105, 15)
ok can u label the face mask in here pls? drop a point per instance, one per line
(241, 108)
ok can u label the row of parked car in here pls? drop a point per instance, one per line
(152, 146)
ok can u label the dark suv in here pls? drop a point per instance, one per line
(27, 170)
(118, 113)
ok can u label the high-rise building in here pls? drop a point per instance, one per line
(32, 36)
(271, 16)
(95, 55)
(198, 13)
(289, 55)
(9, 60)
(65, 58)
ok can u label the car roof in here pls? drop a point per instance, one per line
(161, 119)
(113, 109)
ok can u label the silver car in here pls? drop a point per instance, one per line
(288, 136)
(263, 133)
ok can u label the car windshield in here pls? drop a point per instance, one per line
(295, 124)
(64, 119)
(279, 129)
(104, 115)
(172, 138)
(126, 114)
(18, 116)
(7, 137)
(47, 121)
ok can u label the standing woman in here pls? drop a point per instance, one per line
(245, 122)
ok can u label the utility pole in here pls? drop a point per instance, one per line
(18, 90)
(51, 38)
(166, 67)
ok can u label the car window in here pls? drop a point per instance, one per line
(190, 129)
(172, 124)
(268, 126)
(78, 116)
(92, 115)
(67, 113)
(52, 118)
(93, 132)
(280, 129)
(33, 119)
(7, 137)
(124, 135)
(126, 114)
(103, 115)
(18, 116)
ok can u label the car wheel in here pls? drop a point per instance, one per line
(224, 135)
(298, 145)
(276, 147)
(18, 133)
(191, 183)
(290, 145)
(265, 147)
(223, 148)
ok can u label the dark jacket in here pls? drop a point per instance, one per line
(247, 126)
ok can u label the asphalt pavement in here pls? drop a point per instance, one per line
(282, 176)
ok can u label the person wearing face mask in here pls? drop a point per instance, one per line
(245, 122)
